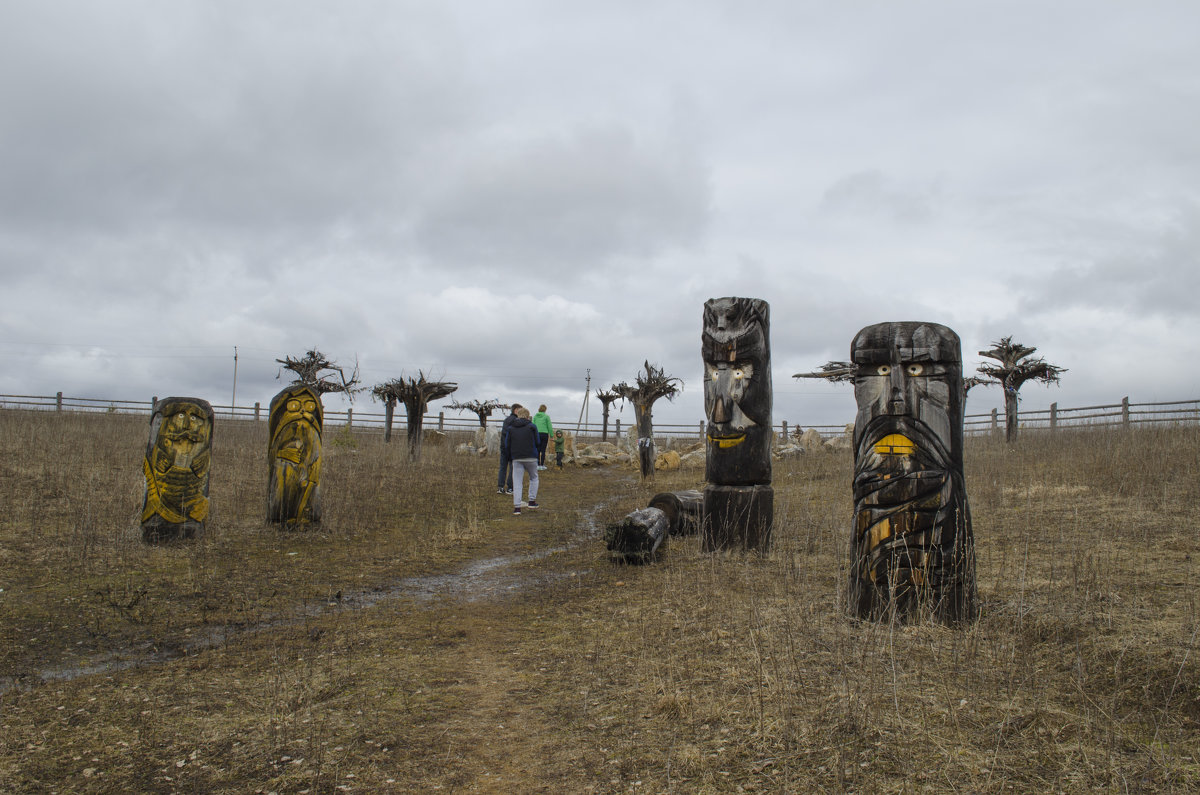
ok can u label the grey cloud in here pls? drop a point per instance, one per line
(874, 195)
(571, 201)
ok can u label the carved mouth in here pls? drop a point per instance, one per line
(728, 440)
(895, 444)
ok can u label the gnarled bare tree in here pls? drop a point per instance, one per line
(311, 368)
(415, 394)
(606, 400)
(482, 408)
(647, 388)
(1014, 368)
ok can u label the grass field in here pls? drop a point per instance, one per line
(424, 639)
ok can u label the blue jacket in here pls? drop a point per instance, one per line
(522, 439)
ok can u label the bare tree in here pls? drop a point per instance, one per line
(415, 394)
(647, 389)
(606, 400)
(482, 408)
(1014, 369)
(832, 371)
(311, 371)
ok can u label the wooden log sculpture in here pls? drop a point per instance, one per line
(738, 500)
(294, 457)
(176, 467)
(638, 537)
(913, 552)
(683, 510)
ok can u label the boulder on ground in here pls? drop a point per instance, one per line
(667, 462)
(695, 458)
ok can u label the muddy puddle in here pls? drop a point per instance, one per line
(487, 579)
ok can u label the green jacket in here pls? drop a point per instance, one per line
(542, 421)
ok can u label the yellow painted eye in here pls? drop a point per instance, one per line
(915, 369)
(310, 406)
(293, 405)
(885, 369)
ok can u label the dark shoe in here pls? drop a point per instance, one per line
(516, 511)
(501, 491)
(533, 504)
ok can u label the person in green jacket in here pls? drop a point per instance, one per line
(541, 421)
(560, 444)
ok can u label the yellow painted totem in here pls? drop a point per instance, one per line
(176, 467)
(294, 457)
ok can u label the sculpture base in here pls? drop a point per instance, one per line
(156, 529)
(738, 517)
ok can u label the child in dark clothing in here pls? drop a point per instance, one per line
(560, 444)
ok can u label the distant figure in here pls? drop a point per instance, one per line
(560, 444)
(504, 479)
(544, 428)
(522, 451)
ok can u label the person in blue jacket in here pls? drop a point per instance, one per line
(523, 452)
(504, 479)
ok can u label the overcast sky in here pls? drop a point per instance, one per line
(506, 194)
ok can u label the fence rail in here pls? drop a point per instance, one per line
(1124, 414)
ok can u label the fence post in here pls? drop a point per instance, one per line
(153, 403)
(785, 436)
(58, 402)
(1053, 416)
(702, 430)
(257, 411)
(441, 420)
(995, 421)
(349, 418)
(1125, 411)
(618, 429)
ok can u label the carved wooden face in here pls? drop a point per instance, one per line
(181, 431)
(295, 424)
(908, 383)
(737, 387)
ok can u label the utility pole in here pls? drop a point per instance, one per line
(586, 394)
(233, 400)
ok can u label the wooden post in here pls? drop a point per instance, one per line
(257, 411)
(441, 420)
(1125, 411)
(58, 402)
(618, 428)
(702, 430)
(783, 437)
(1053, 416)
(995, 421)
(349, 418)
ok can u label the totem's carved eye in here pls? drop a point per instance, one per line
(181, 417)
(714, 374)
(885, 369)
(915, 369)
(293, 405)
(310, 406)
(738, 374)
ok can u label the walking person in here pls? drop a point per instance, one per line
(504, 483)
(560, 444)
(544, 429)
(523, 450)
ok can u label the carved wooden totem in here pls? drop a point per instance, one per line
(176, 467)
(294, 457)
(738, 500)
(912, 551)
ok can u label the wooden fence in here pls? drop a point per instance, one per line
(1123, 414)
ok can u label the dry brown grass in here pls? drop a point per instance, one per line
(560, 672)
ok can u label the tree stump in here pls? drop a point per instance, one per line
(684, 510)
(294, 457)
(176, 468)
(638, 537)
(913, 552)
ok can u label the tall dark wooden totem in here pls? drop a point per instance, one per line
(738, 499)
(294, 457)
(912, 551)
(176, 467)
